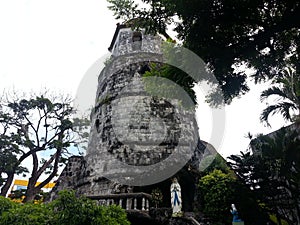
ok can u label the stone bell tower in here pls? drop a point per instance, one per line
(139, 135)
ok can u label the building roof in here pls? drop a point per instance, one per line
(119, 26)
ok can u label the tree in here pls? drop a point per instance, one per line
(287, 89)
(40, 129)
(217, 190)
(271, 170)
(260, 35)
(8, 153)
(9, 165)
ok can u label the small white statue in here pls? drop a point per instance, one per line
(176, 200)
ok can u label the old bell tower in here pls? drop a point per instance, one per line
(140, 136)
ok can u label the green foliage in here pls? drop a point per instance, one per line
(105, 100)
(261, 35)
(9, 150)
(67, 209)
(5, 204)
(274, 219)
(123, 9)
(70, 209)
(111, 215)
(217, 190)
(32, 126)
(17, 194)
(272, 171)
(27, 214)
(169, 89)
(287, 90)
(218, 163)
(73, 210)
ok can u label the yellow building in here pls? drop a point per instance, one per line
(19, 184)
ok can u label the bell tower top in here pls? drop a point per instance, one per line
(126, 40)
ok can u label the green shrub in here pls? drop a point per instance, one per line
(112, 215)
(27, 214)
(5, 205)
(67, 209)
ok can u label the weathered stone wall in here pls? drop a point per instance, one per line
(69, 177)
(130, 126)
(125, 101)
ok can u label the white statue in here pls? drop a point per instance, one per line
(176, 200)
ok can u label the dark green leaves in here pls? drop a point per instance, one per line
(260, 35)
(287, 90)
(66, 210)
(272, 170)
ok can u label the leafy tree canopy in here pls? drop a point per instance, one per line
(40, 128)
(260, 35)
(217, 190)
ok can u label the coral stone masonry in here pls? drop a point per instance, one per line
(137, 139)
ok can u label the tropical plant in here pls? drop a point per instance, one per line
(287, 88)
(271, 170)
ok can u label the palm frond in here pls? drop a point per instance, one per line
(287, 89)
(273, 91)
(283, 108)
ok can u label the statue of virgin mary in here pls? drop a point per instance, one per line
(176, 200)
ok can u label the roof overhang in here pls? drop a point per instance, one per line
(119, 27)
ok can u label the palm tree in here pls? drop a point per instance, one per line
(287, 89)
(271, 169)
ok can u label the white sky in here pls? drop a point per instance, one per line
(54, 43)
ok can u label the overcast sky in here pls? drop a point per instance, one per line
(54, 43)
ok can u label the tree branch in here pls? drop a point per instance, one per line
(46, 164)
